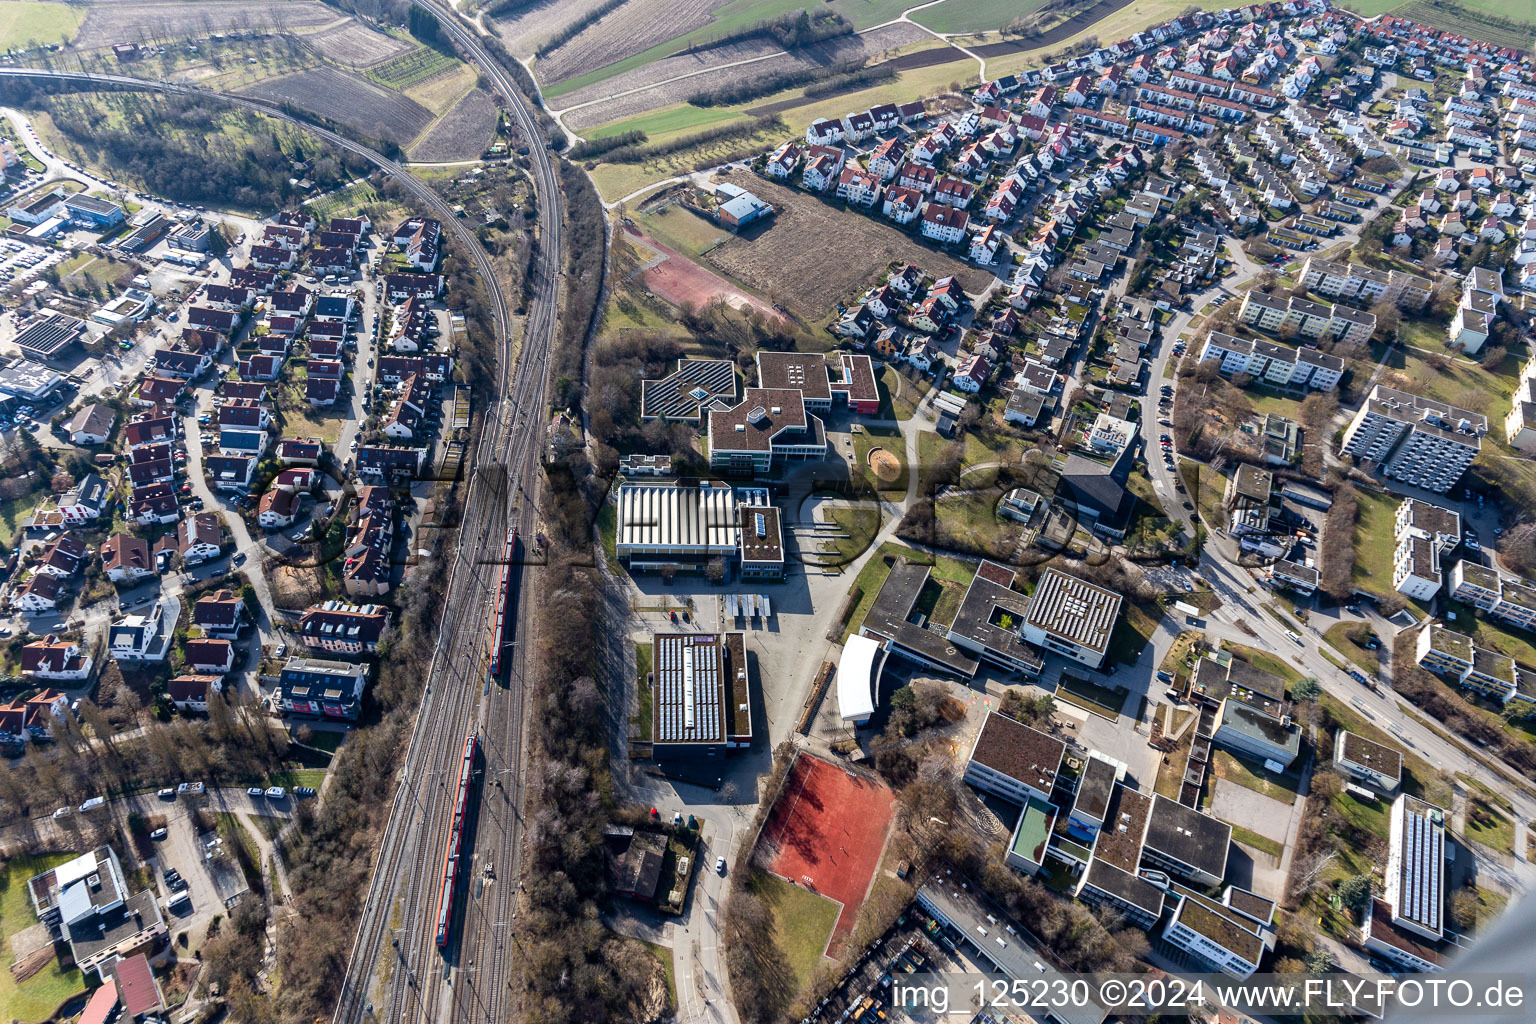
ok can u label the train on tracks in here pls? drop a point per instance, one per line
(458, 853)
(502, 606)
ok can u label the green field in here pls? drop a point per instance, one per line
(40, 995)
(1373, 541)
(412, 68)
(1338, 636)
(1264, 661)
(974, 15)
(25, 23)
(663, 122)
(802, 923)
(734, 15)
(679, 228)
(1256, 777)
(864, 13)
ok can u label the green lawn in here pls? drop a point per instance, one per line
(1265, 661)
(38, 996)
(1370, 816)
(1132, 631)
(974, 15)
(1258, 842)
(679, 228)
(12, 513)
(314, 778)
(1105, 701)
(875, 572)
(1490, 826)
(27, 23)
(861, 523)
(1374, 542)
(864, 13)
(608, 530)
(1338, 636)
(1277, 786)
(1207, 487)
(802, 922)
(890, 439)
(644, 695)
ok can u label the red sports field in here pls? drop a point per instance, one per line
(826, 832)
(679, 280)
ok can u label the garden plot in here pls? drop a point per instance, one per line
(113, 23)
(812, 254)
(634, 28)
(537, 20)
(462, 134)
(370, 109)
(356, 45)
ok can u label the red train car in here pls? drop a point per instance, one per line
(456, 855)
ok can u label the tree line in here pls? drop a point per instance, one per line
(638, 154)
(842, 76)
(791, 30)
(575, 27)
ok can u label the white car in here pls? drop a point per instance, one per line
(1295, 636)
(719, 865)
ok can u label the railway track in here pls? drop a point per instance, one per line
(502, 492)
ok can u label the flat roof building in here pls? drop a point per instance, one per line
(687, 393)
(701, 703)
(1072, 617)
(1013, 761)
(894, 622)
(770, 425)
(1415, 871)
(1186, 843)
(45, 337)
(1417, 440)
(990, 621)
(665, 526)
(762, 542)
(1111, 878)
(1368, 761)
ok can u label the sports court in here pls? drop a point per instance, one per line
(826, 832)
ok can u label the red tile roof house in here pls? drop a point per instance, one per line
(208, 657)
(219, 615)
(190, 692)
(300, 451)
(62, 557)
(125, 558)
(55, 660)
(155, 503)
(140, 991)
(32, 718)
(39, 593)
(198, 538)
(278, 508)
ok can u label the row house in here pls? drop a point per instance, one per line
(1112, 124)
(367, 569)
(824, 132)
(1197, 83)
(1310, 319)
(339, 627)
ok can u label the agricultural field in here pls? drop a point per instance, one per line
(461, 134)
(975, 15)
(374, 111)
(618, 56)
(639, 90)
(412, 68)
(106, 24)
(637, 26)
(1110, 19)
(24, 22)
(813, 255)
(1495, 21)
(357, 45)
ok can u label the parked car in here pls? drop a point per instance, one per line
(167, 794)
(157, 834)
(254, 791)
(276, 793)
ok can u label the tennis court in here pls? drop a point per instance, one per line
(826, 832)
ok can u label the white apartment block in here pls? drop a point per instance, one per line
(1363, 284)
(1490, 591)
(1520, 424)
(1425, 534)
(1416, 440)
(1309, 319)
(1273, 362)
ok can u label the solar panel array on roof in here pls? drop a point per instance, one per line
(52, 333)
(690, 690)
(1423, 864)
(688, 390)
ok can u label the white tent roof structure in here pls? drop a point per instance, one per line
(858, 676)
